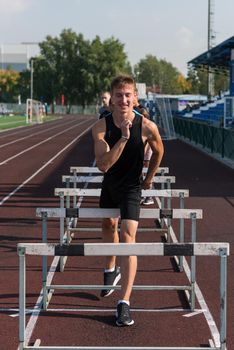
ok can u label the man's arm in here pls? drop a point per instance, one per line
(106, 157)
(155, 142)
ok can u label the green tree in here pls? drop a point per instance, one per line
(221, 81)
(77, 68)
(198, 77)
(159, 75)
(193, 80)
(9, 80)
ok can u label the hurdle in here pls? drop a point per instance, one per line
(97, 213)
(75, 179)
(81, 192)
(75, 170)
(71, 225)
(122, 249)
(71, 179)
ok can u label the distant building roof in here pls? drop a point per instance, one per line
(217, 57)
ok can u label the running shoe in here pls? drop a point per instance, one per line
(148, 201)
(111, 279)
(123, 317)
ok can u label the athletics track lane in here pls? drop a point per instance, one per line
(215, 196)
(18, 222)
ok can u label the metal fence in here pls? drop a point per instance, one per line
(213, 139)
(20, 109)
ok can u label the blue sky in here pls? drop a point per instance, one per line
(175, 30)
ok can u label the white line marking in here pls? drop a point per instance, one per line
(35, 133)
(25, 128)
(38, 310)
(43, 167)
(40, 143)
(196, 312)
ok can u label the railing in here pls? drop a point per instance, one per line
(211, 138)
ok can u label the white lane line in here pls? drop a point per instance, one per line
(40, 143)
(97, 310)
(43, 167)
(196, 312)
(35, 133)
(7, 133)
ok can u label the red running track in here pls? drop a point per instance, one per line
(32, 162)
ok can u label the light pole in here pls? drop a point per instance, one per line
(31, 90)
(210, 44)
(30, 45)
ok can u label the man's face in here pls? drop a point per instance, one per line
(123, 98)
(105, 99)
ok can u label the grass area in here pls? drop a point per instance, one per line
(10, 122)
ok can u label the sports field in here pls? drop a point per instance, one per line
(10, 122)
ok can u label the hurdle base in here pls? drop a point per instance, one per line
(37, 343)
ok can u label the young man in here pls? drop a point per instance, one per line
(119, 142)
(105, 104)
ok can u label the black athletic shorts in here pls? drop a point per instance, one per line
(127, 199)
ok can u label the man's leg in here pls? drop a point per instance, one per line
(128, 271)
(110, 235)
(128, 263)
(112, 272)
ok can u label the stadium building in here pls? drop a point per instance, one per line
(17, 56)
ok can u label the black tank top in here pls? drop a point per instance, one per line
(127, 170)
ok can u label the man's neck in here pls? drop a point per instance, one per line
(118, 117)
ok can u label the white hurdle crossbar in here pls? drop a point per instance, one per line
(96, 213)
(99, 178)
(94, 170)
(122, 249)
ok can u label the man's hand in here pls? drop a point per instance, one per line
(125, 126)
(146, 184)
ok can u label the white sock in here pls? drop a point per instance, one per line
(110, 270)
(124, 301)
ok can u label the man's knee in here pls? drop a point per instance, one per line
(109, 225)
(128, 231)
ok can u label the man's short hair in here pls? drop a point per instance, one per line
(121, 80)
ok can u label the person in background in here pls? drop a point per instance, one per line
(105, 108)
(147, 156)
(148, 151)
(119, 142)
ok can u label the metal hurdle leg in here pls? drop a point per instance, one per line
(181, 258)
(74, 186)
(68, 220)
(163, 203)
(169, 198)
(223, 298)
(168, 220)
(61, 240)
(44, 261)
(22, 293)
(193, 262)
